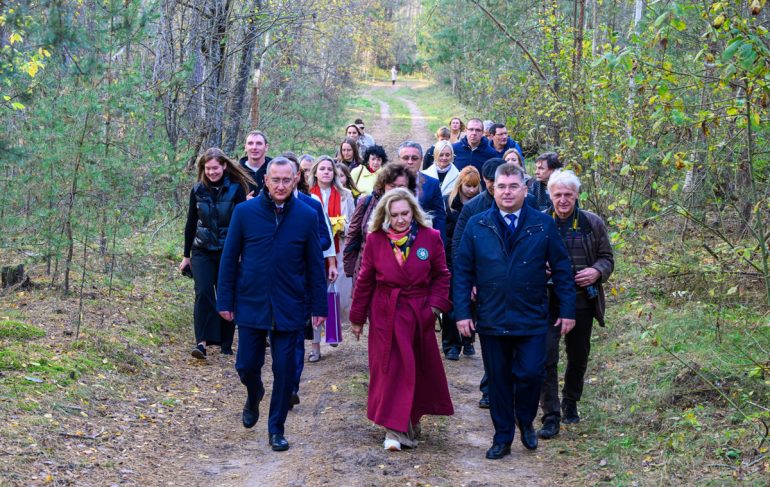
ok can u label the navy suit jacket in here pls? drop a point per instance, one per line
(323, 232)
(432, 202)
(465, 156)
(509, 272)
(269, 264)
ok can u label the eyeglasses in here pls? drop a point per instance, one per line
(281, 181)
(410, 158)
(503, 187)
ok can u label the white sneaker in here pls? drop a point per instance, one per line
(391, 445)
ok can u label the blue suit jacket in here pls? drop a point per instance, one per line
(268, 266)
(431, 201)
(323, 232)
(509, 272)
(511, 144)
(464, 156)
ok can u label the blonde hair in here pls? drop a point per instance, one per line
(441, 145)
(335, 177)
(381, 217)
(470, 176)
(518, 156)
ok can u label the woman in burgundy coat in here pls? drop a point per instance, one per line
(402, 285)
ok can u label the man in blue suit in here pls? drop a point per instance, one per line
(500, 141)
(271, 259)
(508, 253)
(428, 188)
(473, 149)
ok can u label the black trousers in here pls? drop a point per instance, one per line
(251, 358)
(515, 368)
(450, 336)
(209, 326)
(578, 345)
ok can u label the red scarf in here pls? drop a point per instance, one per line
(334, 208)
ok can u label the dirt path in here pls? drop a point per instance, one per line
(419, 131)
(332, 442)
(129, 406)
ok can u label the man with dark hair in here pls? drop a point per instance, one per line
(480, 203)
(364, 139)
(255, 161)
(545, 165)
(504, 254)
(271, 260)
(473, 149)
(501, 142)
(428, 188)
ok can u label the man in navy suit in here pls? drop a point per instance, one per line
(428, 188)
(271, 259)
(508, 253)
(473, 149)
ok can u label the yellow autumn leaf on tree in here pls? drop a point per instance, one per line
(31, 68)
(14, 38)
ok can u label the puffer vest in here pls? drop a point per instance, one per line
(214, 211)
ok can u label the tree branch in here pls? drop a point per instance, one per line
(521, 46)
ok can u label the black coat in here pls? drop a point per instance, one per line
(258, 176)
(209, 213)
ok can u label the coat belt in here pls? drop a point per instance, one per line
(390, 317)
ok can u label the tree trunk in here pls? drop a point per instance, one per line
(241, 83)
(257, 86)
(638, 4)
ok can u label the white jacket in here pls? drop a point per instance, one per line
(449, 180)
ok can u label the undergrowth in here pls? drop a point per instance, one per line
(676, 393)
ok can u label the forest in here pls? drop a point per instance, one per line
(661, 107)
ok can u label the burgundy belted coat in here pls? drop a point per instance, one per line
(406, 374)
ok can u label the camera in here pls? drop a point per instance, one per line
(592, 291)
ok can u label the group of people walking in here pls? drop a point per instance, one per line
(459, 235)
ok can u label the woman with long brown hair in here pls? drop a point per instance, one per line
(348, 153)
(456, 129)
(221, 185)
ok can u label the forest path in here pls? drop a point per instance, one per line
(332, 441)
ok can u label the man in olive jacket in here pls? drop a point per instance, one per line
(506, 253)
(271, 259)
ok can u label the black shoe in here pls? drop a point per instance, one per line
(528, 436)
(278, 442)
(251, 411)
(550, 428)
(453, 354)
(484, 402)
(498, 451)
(294, 400)
(227, 350)
(569, 412)
(199, 352)
(469, 350)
